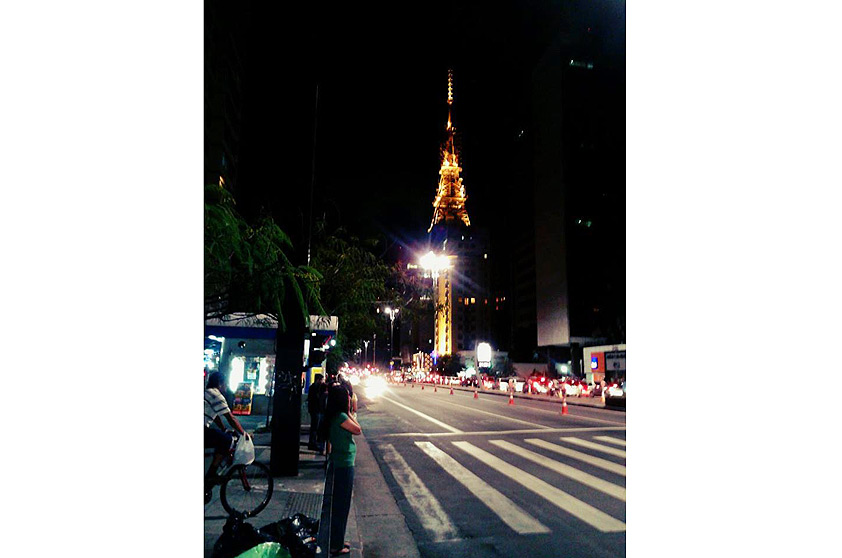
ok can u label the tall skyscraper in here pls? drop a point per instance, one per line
(462, 299)
(568, 266)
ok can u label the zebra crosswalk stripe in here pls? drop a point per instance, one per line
(611, 440)
(589, 459)
(505, 509)
(563, 469)
(575, 507)
(591, 445)
(428, 509)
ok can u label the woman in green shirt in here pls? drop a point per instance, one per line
(343, 426)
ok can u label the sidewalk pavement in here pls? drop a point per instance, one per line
(376, 527)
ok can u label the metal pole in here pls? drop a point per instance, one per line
(269, 400)
(313, 176)
(391, 335)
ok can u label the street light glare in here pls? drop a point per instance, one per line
(432, 261)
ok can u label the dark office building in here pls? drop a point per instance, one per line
(568, 264)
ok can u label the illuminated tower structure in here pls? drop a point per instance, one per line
(462, 290)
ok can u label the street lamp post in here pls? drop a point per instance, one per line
(392, 314)
(437, 264)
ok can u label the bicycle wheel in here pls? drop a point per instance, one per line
(246, 489)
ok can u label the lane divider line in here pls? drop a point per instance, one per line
(498, 415)
(503, 432)
(422, 415)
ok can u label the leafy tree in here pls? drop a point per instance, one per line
(247, 269)
(353, 282)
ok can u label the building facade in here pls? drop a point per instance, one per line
(578, 156)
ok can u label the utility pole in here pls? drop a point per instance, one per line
(313, 177)
(365, 359)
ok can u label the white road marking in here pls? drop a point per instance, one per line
(597, 447)
(503, 432)
(563, 469)
(511, 514)
(589, 459)
(498, 415)
(577, 416)
(426, 506)
(422, 415)
(575, 507)
(611, 440)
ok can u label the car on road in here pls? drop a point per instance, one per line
(571, 387)
(615, 389)
(518, 381)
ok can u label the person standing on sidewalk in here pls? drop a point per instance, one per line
(343, 381)
(343, 452)
(315, 406)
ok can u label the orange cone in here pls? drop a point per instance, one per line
(422, 386)
(564, 407)
(475, 394)
(451, 390)
(511, 399)
(435, 388)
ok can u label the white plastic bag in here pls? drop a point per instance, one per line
(244, 452)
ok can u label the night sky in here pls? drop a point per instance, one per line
(382, 76)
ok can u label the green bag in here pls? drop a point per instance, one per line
(266, 550)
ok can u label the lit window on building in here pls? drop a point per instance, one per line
(473, 300)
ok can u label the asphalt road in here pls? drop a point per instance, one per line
(481, 478)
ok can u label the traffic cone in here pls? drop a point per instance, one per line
(451, 390)
(564, 407)
(475, 394)
(511, 399)
(413, 385)
(422, 386)
(436, 388)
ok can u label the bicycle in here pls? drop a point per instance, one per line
(245, 490)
